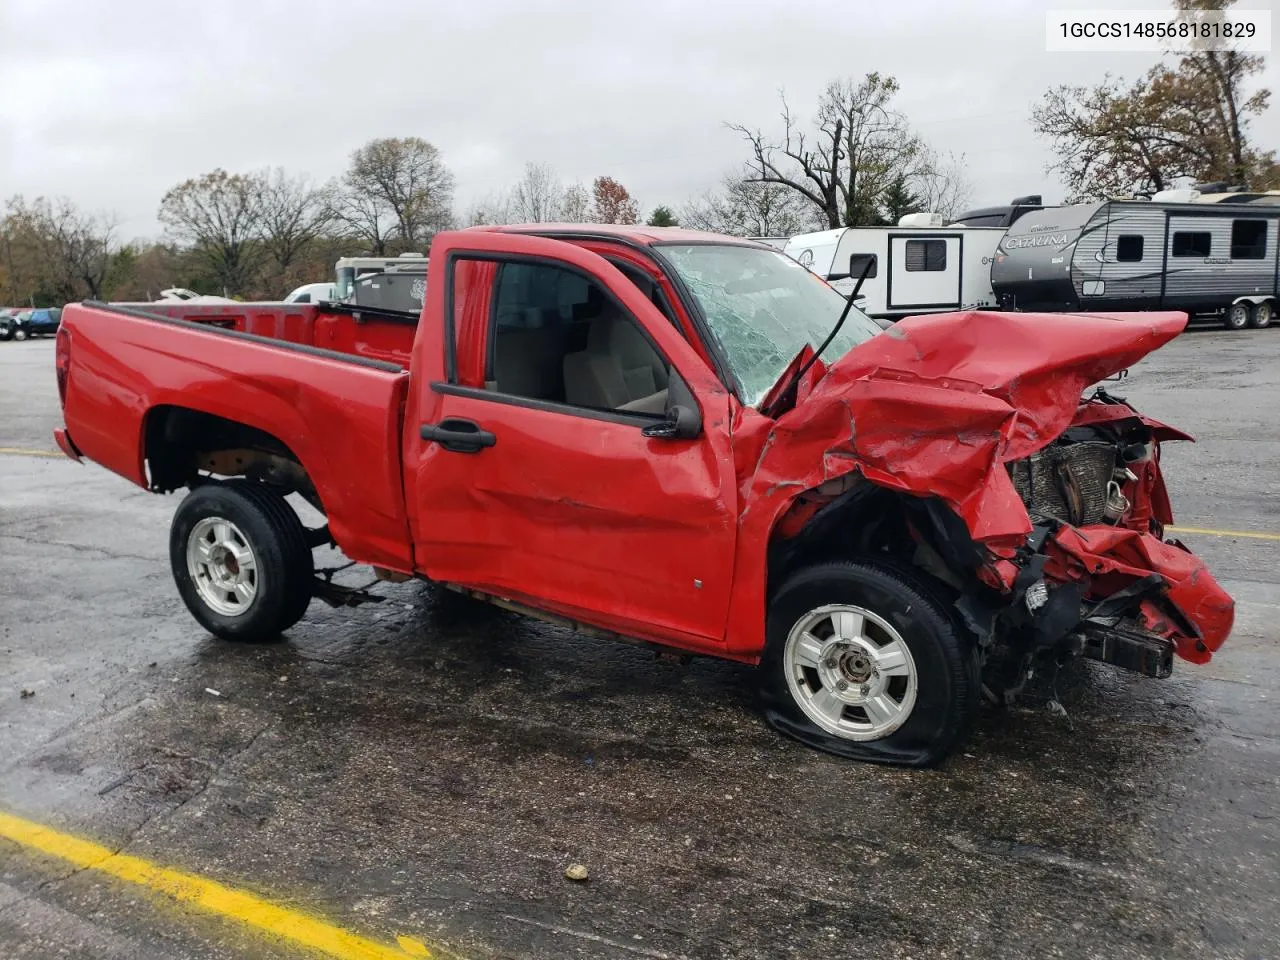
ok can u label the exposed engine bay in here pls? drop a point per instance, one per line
(1097, 578)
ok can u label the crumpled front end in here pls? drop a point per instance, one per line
(1059, 502)
(1098, 505)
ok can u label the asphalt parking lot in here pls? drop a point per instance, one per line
(423, 769)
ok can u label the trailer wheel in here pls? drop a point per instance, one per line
(1262, 315)
(862, 662)
(241, 561)
(1238, 316)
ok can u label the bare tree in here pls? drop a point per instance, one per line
(397, 187)
(1185, 122)
(575, 204)
(858, 148)
(744, 207)
(493, 209)
(940, 183)
(294, 214)
(1221, 76)
(54, 250)
(220, 216)
(537, 197)
(368, 220)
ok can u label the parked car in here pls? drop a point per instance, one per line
(678, 439)
(183, 295)
(30, 323)
(313, 293)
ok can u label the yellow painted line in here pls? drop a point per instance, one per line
(1209, 532)
(209, 895)
(23, 452)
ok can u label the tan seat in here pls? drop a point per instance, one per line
(618, 370)
(528, 357)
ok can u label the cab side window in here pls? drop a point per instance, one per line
(557, 336)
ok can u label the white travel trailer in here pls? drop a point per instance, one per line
(919, 266)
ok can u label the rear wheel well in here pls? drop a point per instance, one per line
(183, 447)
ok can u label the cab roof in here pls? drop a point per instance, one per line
(639, 233)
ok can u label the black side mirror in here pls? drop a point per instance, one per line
(683, 420)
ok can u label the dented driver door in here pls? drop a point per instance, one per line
(539, 474)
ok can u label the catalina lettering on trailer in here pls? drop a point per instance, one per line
(1038, 240)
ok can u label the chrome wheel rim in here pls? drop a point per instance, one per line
(223, 566)
(850, 672)
(1238, 316)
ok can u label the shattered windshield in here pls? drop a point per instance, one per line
(762, 308)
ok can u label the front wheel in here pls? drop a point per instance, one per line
(20, 334)
(862, 662)
(241, 561)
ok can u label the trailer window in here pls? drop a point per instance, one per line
(926, 255)
(858, 263)
(1129, 248)
(1192, 244)
(1248, 239)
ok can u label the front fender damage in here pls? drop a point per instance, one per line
(938, 408)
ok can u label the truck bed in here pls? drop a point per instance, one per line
(373, 334)
(271, 367)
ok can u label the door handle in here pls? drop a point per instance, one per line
(457, 435)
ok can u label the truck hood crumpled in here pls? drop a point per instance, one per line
(937, 405)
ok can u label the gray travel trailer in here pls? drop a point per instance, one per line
(1206, 255)
(1000, 216)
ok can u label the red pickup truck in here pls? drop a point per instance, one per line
(651, 435)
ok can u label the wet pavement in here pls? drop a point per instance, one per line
(428, 767)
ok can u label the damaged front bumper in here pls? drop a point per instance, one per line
(1122, 597)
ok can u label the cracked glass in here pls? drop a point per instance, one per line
(763, 308)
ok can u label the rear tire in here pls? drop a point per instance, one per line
(911, 680)
(241, 561)
(1262, 315)
(1238, 316)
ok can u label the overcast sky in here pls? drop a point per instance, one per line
(112, 103)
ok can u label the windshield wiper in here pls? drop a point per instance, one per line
(783, 394)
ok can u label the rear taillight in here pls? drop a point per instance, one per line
(62, 357)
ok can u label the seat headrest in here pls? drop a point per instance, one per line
(600, 334)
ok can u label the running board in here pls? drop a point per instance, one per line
(663, 653)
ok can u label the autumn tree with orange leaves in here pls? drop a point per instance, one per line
(611, 202)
